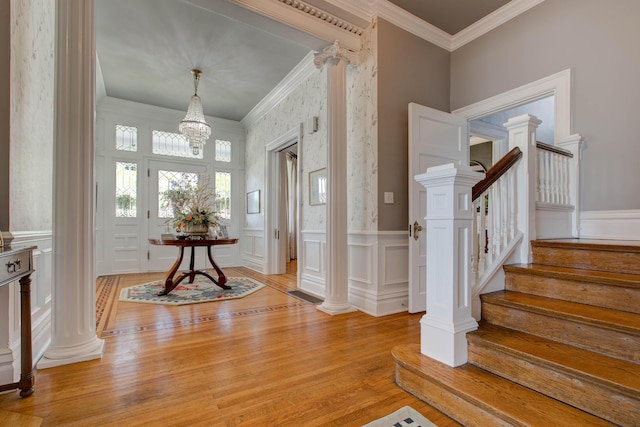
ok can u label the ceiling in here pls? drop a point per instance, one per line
(146, 49)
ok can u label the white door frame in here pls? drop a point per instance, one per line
(274, 249)
(558, 85)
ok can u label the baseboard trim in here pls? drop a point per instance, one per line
(614, 225)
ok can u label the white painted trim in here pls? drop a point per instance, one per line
(271, 194)
(370, 9)
(558, 84)
(615, 225)
(300, 16)
(491, 21)
(300, 73)
(411, 23)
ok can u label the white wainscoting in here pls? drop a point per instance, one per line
(41, 282)
(378, 269)
(312, 261)
(252, 249)
(615, 225)
(554, 221)
(379, 272)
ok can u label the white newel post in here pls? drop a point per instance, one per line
(337, 279)
(522, 134)
(73, 337)
(449, 233)
(574, 144)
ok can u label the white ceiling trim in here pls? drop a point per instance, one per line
(307, 18)
(411, 23)
(491, 21)
(289, 83)
(369, 9)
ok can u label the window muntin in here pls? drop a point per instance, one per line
(223, 194)
(171, 180)
(223, 151)
(126, 138)
(126, 189)
(172, 144)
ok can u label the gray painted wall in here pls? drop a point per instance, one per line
(598, 41)
(410, 69)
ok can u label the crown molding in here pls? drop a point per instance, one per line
(371, 9)
(491, 21)
(411, 23)
(307, 18)
(289, 83)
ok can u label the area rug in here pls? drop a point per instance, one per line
(403, 417)
(190, 293)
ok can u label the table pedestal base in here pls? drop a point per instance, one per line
(170, 284)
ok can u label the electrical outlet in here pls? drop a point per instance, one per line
(388, 197)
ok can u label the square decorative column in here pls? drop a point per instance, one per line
(522, 134)
(449, 233)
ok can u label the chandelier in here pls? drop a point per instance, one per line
(193, 126)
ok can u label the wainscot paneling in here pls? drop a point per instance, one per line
(41, 286)
(378, 269)
(313, 256)
(252, 249)
(387, 291)
(554, 221)
(616, 225)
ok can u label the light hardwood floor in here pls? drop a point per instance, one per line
(264, 360)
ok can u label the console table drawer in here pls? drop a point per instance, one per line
(14, 265)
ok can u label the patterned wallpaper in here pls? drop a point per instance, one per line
(362, 131)
(32, 97)
(309, 100)
(306, 101)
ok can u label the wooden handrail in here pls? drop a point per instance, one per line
(496, 171)
(553, 149)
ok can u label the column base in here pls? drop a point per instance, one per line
(58, 357)
(334, 309)
(444, 341)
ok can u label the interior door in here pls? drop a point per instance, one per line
(160, 175)
(435, 138)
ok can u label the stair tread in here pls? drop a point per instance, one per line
(597, 367)
(594, 244)
(493, 393)
(579, 274)
(605, 317)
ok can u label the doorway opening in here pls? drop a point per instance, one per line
(282, 203)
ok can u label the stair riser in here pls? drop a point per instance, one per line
(594, 397)
(463, 411)
(617, 344)
(601, 295)
(619, 262)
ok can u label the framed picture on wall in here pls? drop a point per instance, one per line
(318, 187)
(253, 202)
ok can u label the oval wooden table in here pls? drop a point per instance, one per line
(169, 283)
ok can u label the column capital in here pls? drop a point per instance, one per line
(335, 53)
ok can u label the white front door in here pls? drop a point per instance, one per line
(435, 138)
(160, 176)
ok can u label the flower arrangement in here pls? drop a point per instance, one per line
(192, 203)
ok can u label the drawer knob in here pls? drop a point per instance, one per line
(14, 267)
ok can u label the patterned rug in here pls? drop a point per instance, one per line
(403, 417)
(201, 290)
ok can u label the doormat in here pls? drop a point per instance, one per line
(305, 297)
(403, 417)
(190, 293)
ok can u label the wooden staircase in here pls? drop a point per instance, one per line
(559, 346)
